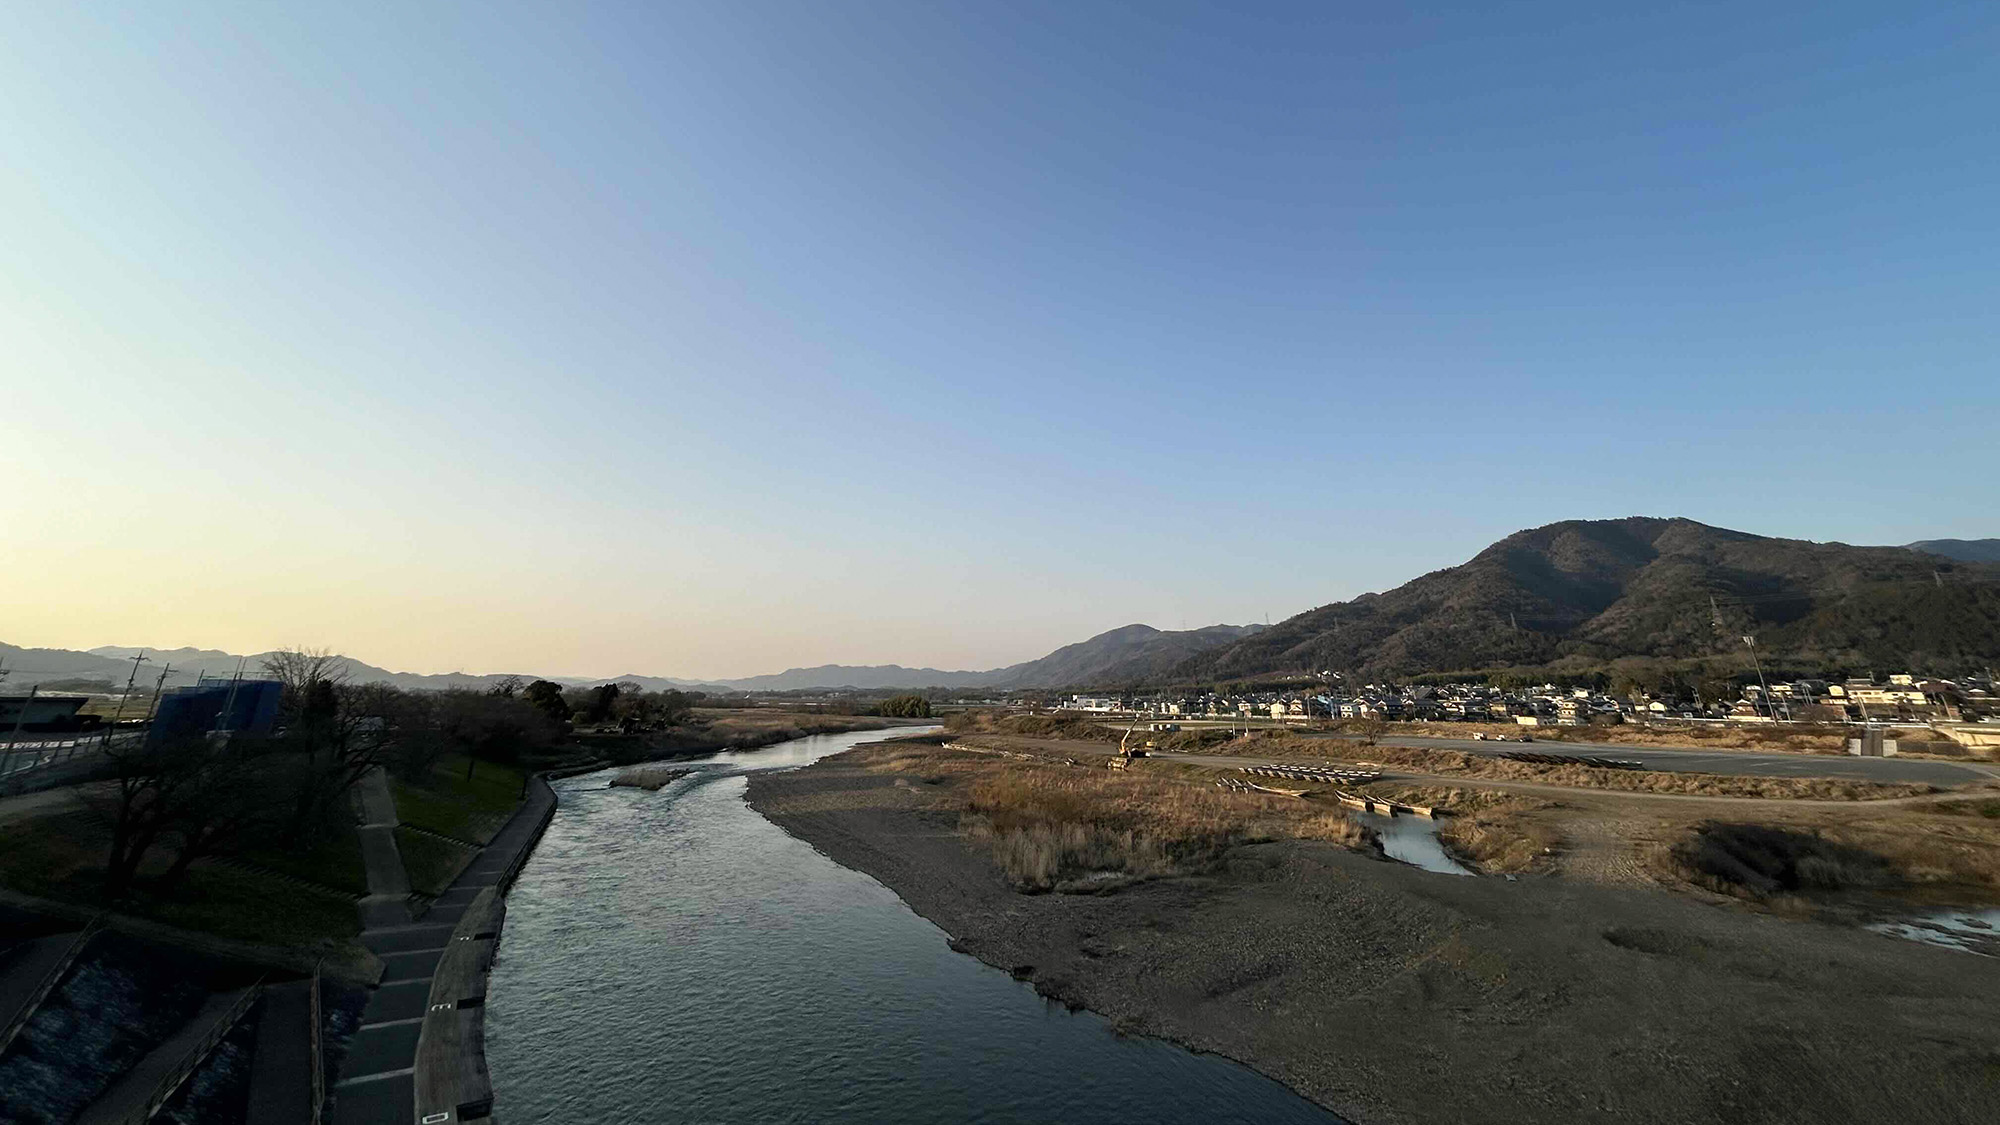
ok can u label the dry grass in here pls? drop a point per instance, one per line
(1454, 763)
(1922, 857)
(1988, 808)
(1762, 861)
(1058, 827)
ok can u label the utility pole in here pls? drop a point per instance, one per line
(227, 714)
(159, 686)
(120, 712)
(22, 717)
(1751, 643)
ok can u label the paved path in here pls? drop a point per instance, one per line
(388, 898)
(378, 1079)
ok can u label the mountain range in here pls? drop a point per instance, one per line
(1132, 649)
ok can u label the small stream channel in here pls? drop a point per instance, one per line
(674, 956)
(1414, 840)
(1970, 931)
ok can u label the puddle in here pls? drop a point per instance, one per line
(1969, 931)
(1413, 840)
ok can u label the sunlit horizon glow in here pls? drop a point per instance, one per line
(721, 338)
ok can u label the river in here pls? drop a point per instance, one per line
(674, 956)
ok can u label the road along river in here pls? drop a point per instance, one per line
(674, 956)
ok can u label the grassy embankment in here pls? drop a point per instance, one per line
(273, 894)
(61, 857)
(466, 812)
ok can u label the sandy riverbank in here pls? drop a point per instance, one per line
(1393, 995)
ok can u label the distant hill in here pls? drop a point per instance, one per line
(1131, 654)
(1587, 591)
(1964, 550)
(1134, 653)
(865, 677)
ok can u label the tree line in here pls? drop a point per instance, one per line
(193, 796)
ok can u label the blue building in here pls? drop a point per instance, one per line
(252, 707)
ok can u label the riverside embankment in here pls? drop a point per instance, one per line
(673, 955)
(1392, 994)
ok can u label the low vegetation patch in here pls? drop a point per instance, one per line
(1988, 808)
(1077, 727)
(1761, 861)
(1052, 826)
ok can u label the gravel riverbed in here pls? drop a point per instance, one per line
(1392, 994)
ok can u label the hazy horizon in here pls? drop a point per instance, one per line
(726, 338)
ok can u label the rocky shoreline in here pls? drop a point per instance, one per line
(1389, 994)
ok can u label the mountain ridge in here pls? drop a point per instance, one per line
(1592, 591)
(1964, 550)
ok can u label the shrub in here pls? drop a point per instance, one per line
(1754, 860)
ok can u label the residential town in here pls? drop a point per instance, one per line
(1902, 698)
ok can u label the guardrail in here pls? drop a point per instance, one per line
(317, 1061)
(179, 1074)
(48, 982)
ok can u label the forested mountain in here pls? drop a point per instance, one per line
(1582, 592)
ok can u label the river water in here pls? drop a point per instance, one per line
(674, 956)
(1414, 840)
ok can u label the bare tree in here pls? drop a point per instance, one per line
(302, 670)
(206, 795)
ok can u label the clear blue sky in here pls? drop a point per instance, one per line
(713, 338)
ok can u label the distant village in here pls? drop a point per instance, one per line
(1903, 698)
